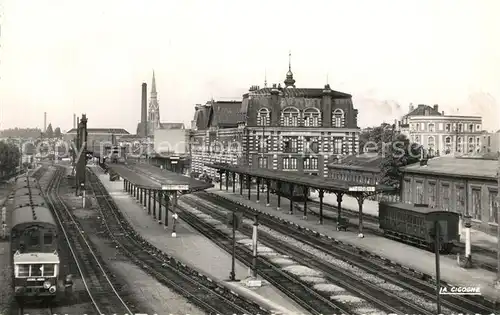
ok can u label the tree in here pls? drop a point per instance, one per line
(372, 139)
(9, 158)
(49, 133)
(57, 132)
(398, 153)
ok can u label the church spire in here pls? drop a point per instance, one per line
(289, 81)
(154, 107)
(153, 85)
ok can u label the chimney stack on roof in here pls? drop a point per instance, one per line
(436, 107)
(411, 107)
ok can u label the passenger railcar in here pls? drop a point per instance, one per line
(34, 247)
(284, 191)
(411, 224)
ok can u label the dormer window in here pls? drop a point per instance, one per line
(264, 117)
(338, 118)
(311, 117)
(290, 116)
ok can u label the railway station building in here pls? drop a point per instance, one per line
(279, 127)
(467, 185)
(96, 136)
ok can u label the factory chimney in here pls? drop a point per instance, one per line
(74, 120)
(45, 122)
(144, 110)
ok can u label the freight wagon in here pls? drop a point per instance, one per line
(411, 223)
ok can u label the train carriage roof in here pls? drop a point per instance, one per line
(424, 209)
(23, 184)
(24, 215)
(26, 200)
(27, 191)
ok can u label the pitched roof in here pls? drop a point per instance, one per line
(456, 167)
(119, 131)
(424, 110)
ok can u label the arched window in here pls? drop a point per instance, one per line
(311, 117)
(338, 118)
(264, 117)
(432, 128)
(447, 140)
(290, 117)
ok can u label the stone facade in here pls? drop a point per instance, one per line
(463, 185)
(283, 128)
(440, 133)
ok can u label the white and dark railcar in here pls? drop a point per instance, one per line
(34, 245)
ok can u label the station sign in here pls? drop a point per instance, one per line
(362, 188)
(174, 187)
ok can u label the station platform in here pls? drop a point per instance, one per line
(396, 252)
(195, 250)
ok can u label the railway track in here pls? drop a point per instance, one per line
(297, 290)
(31, 310)
(363, 261)
(383, 299)
(101, 290)
(199, 289)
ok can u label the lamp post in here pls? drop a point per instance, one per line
(468, 256)
(83, 195)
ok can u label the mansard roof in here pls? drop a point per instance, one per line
(218, 114)
(298, 92)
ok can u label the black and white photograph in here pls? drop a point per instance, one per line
(219, 157)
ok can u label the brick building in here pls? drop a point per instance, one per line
(285, 128)
(463, 185)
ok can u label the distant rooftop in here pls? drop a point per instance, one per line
(365, 162)
(116, 131)
(472, 167)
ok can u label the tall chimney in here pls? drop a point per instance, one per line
(74, 120)
(144, 109)
(77, 122)
(45, 122)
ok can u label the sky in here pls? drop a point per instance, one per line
(68, 56)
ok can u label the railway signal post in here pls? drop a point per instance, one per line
(234, 222)
(436, 234)
(497, 285)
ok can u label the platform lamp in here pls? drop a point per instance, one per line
(468, 255)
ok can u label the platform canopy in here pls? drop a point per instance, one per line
(301, 179)
(152, 177)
